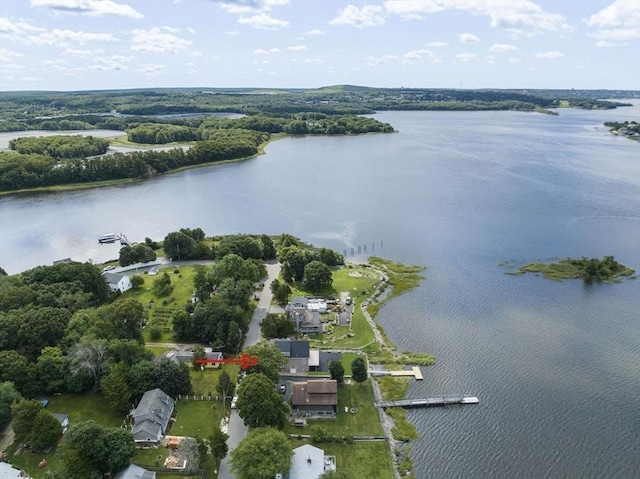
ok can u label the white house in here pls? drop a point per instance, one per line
(63, 419)
(118, 282)
(8, 472)
(309, 462)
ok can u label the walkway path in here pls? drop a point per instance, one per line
(6, 438)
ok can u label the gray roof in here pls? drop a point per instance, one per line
(293, 348)
(113, 278)
(307, 462)
(8, 472)
(152, 414)
(135, 472)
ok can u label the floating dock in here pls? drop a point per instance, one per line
(430, 402)
(414, 371)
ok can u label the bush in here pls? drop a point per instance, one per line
(155, 333)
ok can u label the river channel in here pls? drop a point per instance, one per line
(556, 365)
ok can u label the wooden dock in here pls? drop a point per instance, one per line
(414, 371)
(429, 402)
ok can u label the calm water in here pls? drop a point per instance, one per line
(556, 365)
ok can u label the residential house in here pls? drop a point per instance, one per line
(309, 462)
(151, 417)
(8, 472)
(315, 397)
(297, 353)
(305, 317)
(135, 472)
(187, 356)
(325, 357)
(63, 419)
(118, 282)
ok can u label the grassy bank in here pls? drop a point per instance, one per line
(606, 270)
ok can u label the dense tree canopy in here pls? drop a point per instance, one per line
(91, 450)
(259, 404)
(271, 360)
(60, 146)
(317, 276)
(359, 370)
(277, 326)
(8, 395)
(264, 453)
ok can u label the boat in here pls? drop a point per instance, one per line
(469, 400)
(108, 238)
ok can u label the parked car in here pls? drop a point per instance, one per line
(233, 402)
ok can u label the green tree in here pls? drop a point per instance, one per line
(51, 369)
(317, 276)
(188, 450)
(179, 246)
(280, 291)
(225, 385)
(264, 453)
(336, 369)
(259, 404)
(218, 443)
(20, 371)
(359, 370)
(46, 431)
(115, 388)
(198, 353)
(162, 286)
(91, 450)
(277, 326)
(8, 395)
(136, 281)
(24, 413)
(270, 360)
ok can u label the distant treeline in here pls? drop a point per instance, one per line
(48, 110)
(34, 170)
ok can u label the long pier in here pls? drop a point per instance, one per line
(429, 402)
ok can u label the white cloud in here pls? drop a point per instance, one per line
(274, 50)
(233, 33)
(465, 57)
(373, 61)
(191, 30)
(8, 55)
(154, 40)
(367, 16)
(513, 60)
(437, 44)
(58, 37)
(521, 17)
(469, 38)
(420, 54)
(619, 21)
(313, 61)
(605, 44)
(502, 47)
(263, 21)
(171, 29)
(549, 55)
(261, 51)
(18, 28)
(298, 48)
(75, 52)
(89, 7)
(151, 69)
(249, 6)
(315, 32)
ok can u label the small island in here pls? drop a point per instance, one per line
(606, 269)
(630, 129)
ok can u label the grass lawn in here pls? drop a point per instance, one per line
(160, 310)
(360, 460)
(196, 418)
(84, 407)
(206, 382)
(365, 422)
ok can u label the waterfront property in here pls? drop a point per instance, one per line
(298, 355)
(315, 398)
(305, 315)
(310, 462)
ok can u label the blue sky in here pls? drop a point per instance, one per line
(109, 44)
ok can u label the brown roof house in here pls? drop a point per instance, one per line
(316, 397)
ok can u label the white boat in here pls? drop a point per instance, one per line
(108, 238)
(469, 400)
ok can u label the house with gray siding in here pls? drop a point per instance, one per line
(151, 417)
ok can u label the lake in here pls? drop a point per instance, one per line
(555, 365)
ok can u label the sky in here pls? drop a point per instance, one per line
(71, 45)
